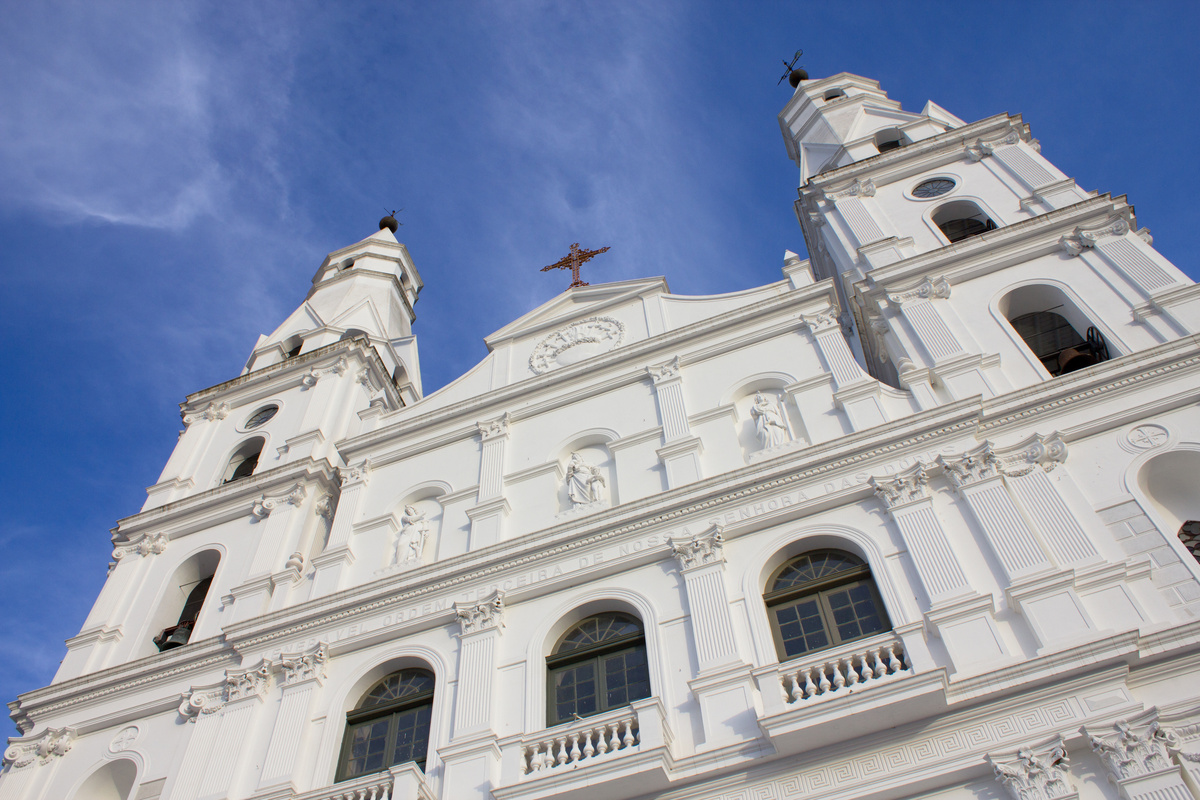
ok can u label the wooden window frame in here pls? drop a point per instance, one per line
(595, 654)
(390, 711)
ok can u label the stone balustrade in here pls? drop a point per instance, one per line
(837, 671)
(401, 782)
(591, 738)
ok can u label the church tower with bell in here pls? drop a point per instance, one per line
(917, 521)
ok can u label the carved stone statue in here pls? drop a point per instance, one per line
(585, 483)
(410, 542)
(768, 422)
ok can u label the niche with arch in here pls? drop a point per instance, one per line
(418, 530)
(767, 422)
(292, 346)
(589, 475)
(244, 460)
(113, 781)
(1053, 328)
(182, 602)
(962, 219)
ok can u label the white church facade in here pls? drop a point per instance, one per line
(915, 521)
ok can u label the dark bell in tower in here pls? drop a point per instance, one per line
(796, 76)
(390, 223)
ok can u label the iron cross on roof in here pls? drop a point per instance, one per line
(574, 261)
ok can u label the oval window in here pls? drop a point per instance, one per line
(932, 188)
(261, 417)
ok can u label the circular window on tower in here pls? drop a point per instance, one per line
(934, 187)
(261, 417)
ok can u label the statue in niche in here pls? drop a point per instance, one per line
(768, 422)
(410, 543)
(585, 483)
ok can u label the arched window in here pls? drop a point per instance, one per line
(244, 460)
(1057, 344)
(962, 219)
(352, 333)
(181, 632)
(598, 665)
(390, 725)
(1189, 534)
(821, 599)
(293, 346)
(834, 94)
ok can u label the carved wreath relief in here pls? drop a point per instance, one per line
(575, 342)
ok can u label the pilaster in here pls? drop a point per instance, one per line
(680, 456)
(303, 674)
(472, 759)
(333, 563)
(488, 515)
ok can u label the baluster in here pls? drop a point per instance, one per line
(852, 676)
(824, 683)
(615, 742)
(794, 692)
(810, 688)
(894, 664)
(561, 749)
(574, 755)
(539, 757)
(880, 668)
(628, 740)
(588, 750)
(839, 680)
(601, 742)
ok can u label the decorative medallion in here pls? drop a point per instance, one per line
(576, 342)
(124, 740)
(1146, 437)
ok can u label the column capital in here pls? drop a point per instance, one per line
(1132, 747)
(493, 429)
(821, 321)
(51, 744)
(665, 371)
(974, 466)
(254, 682)
(264, 505)
(1082, 239)
(355, 474)
(481, 616)
(1041, 770)
(699, 550)
(906, 487)
(304, 666)
(928, 289)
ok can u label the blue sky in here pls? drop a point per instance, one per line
(171, 175)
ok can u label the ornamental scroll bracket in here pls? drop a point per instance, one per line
(928, 289)
(1085, 238)
(147, 544)
(264, 505)
(53, 743)
(484, 615)
(699, 550)
(979, 149)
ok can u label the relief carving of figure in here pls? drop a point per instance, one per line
(410, 543)
(585, 483)
(768, 422)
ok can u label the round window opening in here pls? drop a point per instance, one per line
(261, 416)
(933, 188)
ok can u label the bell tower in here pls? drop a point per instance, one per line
(965, 262)
(256, 470)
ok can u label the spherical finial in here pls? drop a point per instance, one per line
(797, 75)
(390, 223)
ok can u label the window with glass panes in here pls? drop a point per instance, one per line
(390, 725)
(599, 664)
(821, 599)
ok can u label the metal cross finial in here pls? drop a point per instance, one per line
(574, 261)
(787, 68)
